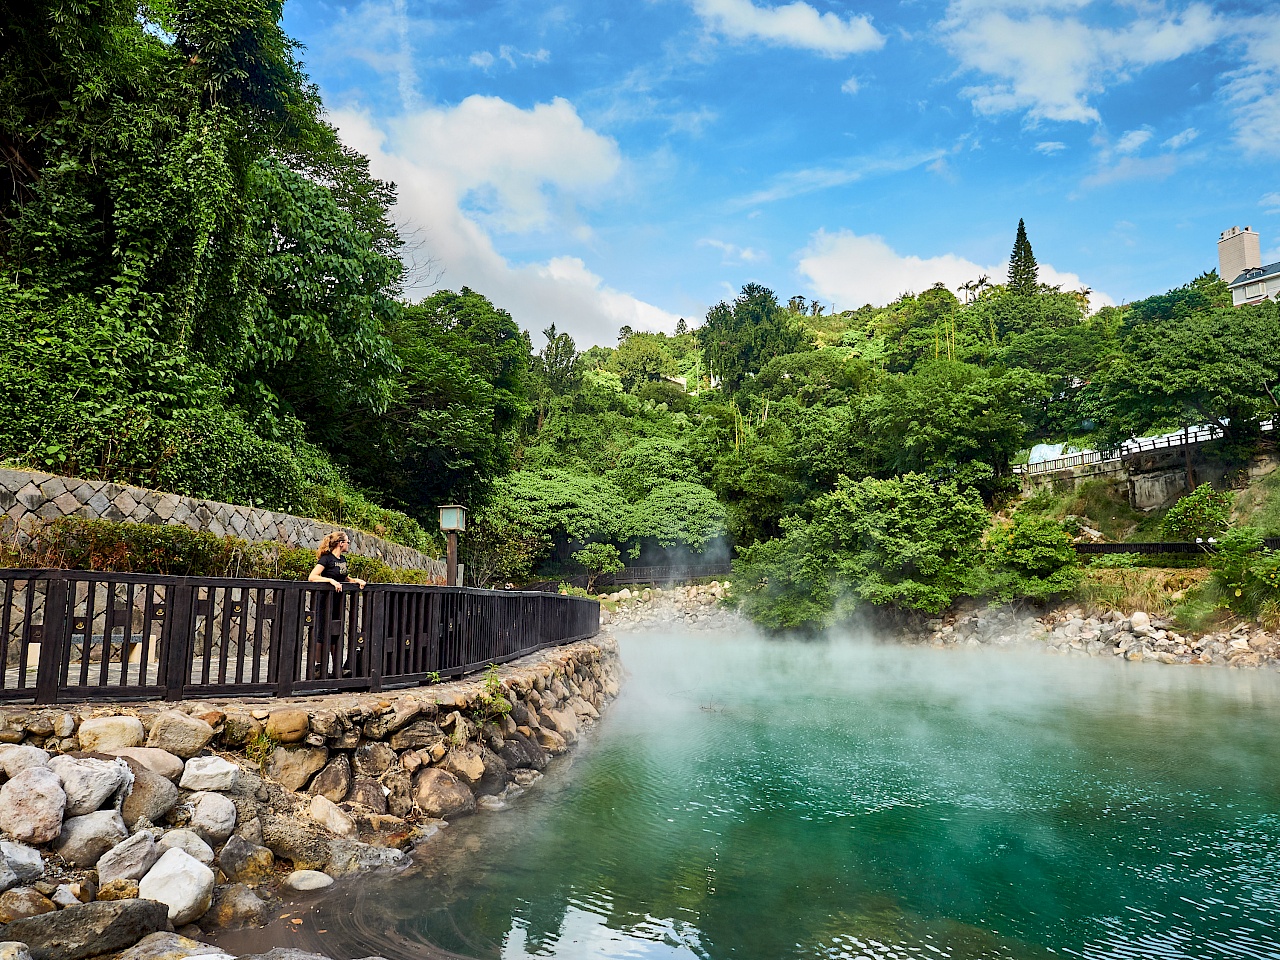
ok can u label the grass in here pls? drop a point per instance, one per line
(1155, 590)
(1102, 505)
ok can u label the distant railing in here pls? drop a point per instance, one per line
(1098, 549)
(632, 575)
(69, 635)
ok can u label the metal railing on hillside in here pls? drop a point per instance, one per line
(68, 635)
(1146, 548)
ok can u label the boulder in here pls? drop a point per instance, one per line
(15, 759)
(188, 842)
(24, 861)
(182, 883)
(240, 728)
(304, 843)
(495, 776)
(330, 816)
(88, 783)
(405, 712)
(246, 862)
(308, 880)
(68, 895)
(292, 767)
(399, 793)
(419, 734)
(21, 902)
(12, 950)
(31, 805)
(179, 734)
(171, 946)
(519, 752)
(439, 793)
(334, 781)
(235, 905)
(465, 763)
(108, 734)
(373, 759)
(7, 877)
(153, 759)
(1140, 621)
(348, 857)
(89, 929)
(368, 793)
(118, 890)
(85, 839)
(213, 817)
(150, 797)
(129, 860)
(550, 741)
(288, 725)
(209, 773)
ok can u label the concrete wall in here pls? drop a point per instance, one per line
(27, 496)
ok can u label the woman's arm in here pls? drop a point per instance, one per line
(317, 576)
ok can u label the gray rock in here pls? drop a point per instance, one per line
(304, 844)
(23, 860)
(15, 759)
(368, 793)
(308, 880)
(519, 752)
(171, 946)
(89, 783)
(419, 734)
(8, 878)
(151, 797)
(129, 860)
(189, 842)
(31, 805)
(64, 896)
(293, 766)
(235, 905)
(439, 793)
(85, 839)
(88, 929)
(246, 862)
(179, 734)
(213, 817)
(330, 816)
(347, 857)
(373, 760)
(399, 793)
(22, 902)
(209, 773)
(182, 883)
(157, 761)
(334, 781)
(107, 734)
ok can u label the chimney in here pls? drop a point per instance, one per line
(1238, 251)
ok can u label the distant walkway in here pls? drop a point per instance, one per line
(1168, 441)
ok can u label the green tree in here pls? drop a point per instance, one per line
(598, 558)
(738, 339)
(1024, 275)
(1202, 514)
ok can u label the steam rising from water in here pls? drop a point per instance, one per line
(755, 798)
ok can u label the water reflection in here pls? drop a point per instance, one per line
(767, 799)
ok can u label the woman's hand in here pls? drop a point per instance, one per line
(359, 581)
(337, 585)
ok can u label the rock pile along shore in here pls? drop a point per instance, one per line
(696, 607)
(121, 824)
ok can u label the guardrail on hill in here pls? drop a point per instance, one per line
(1169, 441)
(1100, 549)
(69, 635)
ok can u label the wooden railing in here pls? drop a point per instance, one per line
(68, 635)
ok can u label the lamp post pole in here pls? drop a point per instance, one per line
(451, 569)
(453, 520)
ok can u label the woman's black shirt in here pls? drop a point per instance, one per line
(334, 568)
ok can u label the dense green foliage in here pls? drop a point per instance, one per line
(1200, 515)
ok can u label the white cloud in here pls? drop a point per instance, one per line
(1050, 147)
(1180, 140)
(850, 86)
(733, 253)
(482, 59)
(380, 34)
(795, 183)
(794, 24)
(1132, 140)
(1270, 202)
(1041, 58)
(1253, 91)
(468, 172)
(853, 269)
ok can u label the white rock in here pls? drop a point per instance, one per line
(182, 883)
(213, 817)
(13, 950)
(8, 878)
(31, 805)
(84, 839)
(180, 734)
(1139, 621)
(129, 860)
(330, 816)
(88, 783)
(23, 860)
(308, 880)
(108, 734)
(160, 762)
(14, 758)
(64, 896)
(209, 773)
(188, 842)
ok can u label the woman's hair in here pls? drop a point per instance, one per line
(327, 544)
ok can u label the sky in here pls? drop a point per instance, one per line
(594, 164)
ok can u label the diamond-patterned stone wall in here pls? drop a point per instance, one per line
(26, 495)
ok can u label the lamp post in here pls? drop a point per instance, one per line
(453, 520)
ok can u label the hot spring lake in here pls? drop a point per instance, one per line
(772, 799)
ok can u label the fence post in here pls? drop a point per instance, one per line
(53, 642)
(177, 646)
(290, 622)
(375, 628)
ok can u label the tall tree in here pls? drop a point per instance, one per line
(1023, 274)
(740, 338)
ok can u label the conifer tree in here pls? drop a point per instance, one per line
(1023, 273)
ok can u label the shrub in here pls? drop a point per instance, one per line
(1201, 514)
(1116, 561)
(1032, 557)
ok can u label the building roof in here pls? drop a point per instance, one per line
(1254, 274)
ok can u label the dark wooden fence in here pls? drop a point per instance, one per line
(1096, 549)
(69, 635)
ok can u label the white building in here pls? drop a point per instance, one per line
(1240, 265)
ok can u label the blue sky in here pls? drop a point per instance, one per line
(600, 163)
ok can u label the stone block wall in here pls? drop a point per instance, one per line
(26, 496)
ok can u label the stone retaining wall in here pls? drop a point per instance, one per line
(26, 496)
(217, 809)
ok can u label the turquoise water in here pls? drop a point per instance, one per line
(751, 798)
